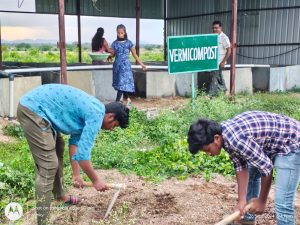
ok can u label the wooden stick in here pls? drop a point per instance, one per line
(233, 216)
(109, 185)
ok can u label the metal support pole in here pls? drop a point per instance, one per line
(62, 42)
(11, 78)
(233, 45)
(79, 32)
(193, 90)
(165, 30)
(1, 63)
(137, 26)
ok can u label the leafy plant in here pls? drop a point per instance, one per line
(14, 130)
(155, 149)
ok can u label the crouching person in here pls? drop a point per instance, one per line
(52, 109)
(256, 142)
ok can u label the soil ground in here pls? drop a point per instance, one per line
(172, 202)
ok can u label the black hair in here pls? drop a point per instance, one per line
(98, 40)
(121, 112)
(202, 133)
(121, 26)
(217, 22)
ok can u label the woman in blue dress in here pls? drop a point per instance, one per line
(122, 74)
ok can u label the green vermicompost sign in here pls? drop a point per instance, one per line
(192, 53)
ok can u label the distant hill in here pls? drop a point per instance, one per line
(30, 41)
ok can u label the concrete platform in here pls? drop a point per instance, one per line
(284, 78)
(243, 80)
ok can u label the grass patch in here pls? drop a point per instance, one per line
(155, 149)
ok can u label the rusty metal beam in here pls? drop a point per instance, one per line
(165, 30)
(79, 32)
(62, 42)
(137, 25)
(233, 45)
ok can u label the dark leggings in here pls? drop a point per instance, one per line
(119, 95)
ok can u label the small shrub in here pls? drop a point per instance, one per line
(13, 130)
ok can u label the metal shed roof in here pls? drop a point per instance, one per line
(108, 8)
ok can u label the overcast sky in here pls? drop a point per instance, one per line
(16, 26)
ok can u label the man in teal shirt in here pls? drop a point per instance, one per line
(51, 109)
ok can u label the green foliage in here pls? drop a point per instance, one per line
(14, 130)
(23, 46)
(16, 173)
(153, 148)
(50, 54)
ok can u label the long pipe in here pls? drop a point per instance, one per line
(137, 22)
(79, 32)
(1, 63)
(62, 42)
(165, 30)
(233, 45)
(11, 96)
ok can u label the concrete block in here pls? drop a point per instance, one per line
(102, 80)
(243, 80)
(183, 84)
(21, 86)
(277, 79)
(160, 84)
(82, 80)
(261, 78)
(292, 77)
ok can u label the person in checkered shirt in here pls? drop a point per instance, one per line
(256, 142)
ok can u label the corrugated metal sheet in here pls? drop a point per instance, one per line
(260, 22)
(108, 8)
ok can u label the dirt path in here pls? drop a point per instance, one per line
(172, 202)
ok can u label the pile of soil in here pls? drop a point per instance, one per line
(172, 202)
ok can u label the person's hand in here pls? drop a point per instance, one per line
(222, 65)
(258, 206)
(144, 67)
(77, 181)
(100, 186)
(240, 207)
(109, 59)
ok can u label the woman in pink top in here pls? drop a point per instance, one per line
(99, 44)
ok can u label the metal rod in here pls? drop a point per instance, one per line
(165, 30)
(79, 32)
(269, 45)
(62, 42)
(224, 12)
(233, 45)
(11, 78)
(193, 91)
(1, 63)
(96, 67)
(137, 26)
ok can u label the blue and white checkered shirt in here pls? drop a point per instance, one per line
(256, 138)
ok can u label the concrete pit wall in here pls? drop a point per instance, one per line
(284, 78)
(243, 80)
(21, 86)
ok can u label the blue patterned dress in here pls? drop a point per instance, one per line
(122, 73)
